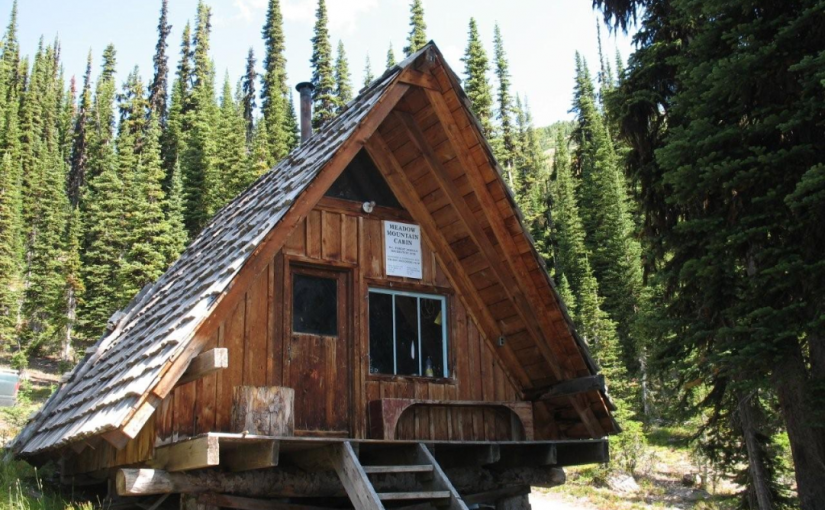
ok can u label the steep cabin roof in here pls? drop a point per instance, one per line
(147, 347)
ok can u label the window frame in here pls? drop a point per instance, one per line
(444, 331)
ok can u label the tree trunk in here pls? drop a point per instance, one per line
(751, 417)
(71, 309)
(807, 437)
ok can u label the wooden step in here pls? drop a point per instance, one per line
(423, 468)
(402, 496)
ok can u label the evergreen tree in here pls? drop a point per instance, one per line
(733, 185)
(368, 76)
(417, 37)
(572, 262)
(281, 121)
(151, 244)
(248, 101)
(257, 160)
(292, 123)
(390, 57)
(175, 209)
(323, 74)
(476, 84)
(230, 163)
(343, 87)
(173, 139)
(103, 207)
(616, 255)
(506, 140)
(198, 159)
(45, 204)
(10, 182)
(159, 87)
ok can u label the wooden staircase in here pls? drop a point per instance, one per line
(358, 472)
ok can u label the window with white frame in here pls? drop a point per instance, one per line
(408, 333)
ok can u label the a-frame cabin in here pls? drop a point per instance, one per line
(367, 324)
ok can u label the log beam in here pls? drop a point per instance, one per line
(200, 452)
(570, 387)
(204, 364)
(286, 482)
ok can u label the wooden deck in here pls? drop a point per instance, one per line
(240, 452)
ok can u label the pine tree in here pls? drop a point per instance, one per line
(257, 160)
(292, 123)
(572, 262)
(174, 209)
(173, 140)
(476, 84)
(368, 76)
(281, 123)
(230, 163)
(343, 87)
(151, 244)
(200, 177)
(390, 57)
(506, 146)
(323, 74)
(10, 182)
(45, 204)
(103, 207)
(733, 199)
(417, 37)
(159, 87)
(249, 95)
(616, 255)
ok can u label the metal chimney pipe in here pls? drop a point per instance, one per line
(306, 88)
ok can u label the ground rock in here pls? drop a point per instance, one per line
(691, 480)
(622, 483)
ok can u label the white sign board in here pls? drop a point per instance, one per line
(402, 249)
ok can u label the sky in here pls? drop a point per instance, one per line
(540, 37)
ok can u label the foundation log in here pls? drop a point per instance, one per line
(295, 482)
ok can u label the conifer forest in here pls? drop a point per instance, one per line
(681, 214)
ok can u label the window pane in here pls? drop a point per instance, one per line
(380, 333)
(432, 341)
(314, 305)
(406, 335)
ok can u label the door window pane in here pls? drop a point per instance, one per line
(314, 305)
(381, 334)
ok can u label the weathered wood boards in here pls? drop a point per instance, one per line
(263, 410)
(385, 413)
(233, 452)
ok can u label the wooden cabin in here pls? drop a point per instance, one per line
(368, 325)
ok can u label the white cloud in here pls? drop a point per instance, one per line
(342, 14)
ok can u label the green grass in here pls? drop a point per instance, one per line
(23, 487)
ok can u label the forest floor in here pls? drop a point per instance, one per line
(660, 487)
(669, 480)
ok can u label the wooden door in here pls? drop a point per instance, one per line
(318, 352)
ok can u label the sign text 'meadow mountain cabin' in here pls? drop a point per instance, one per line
(368, 322)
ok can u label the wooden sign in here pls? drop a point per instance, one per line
(402, 249)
